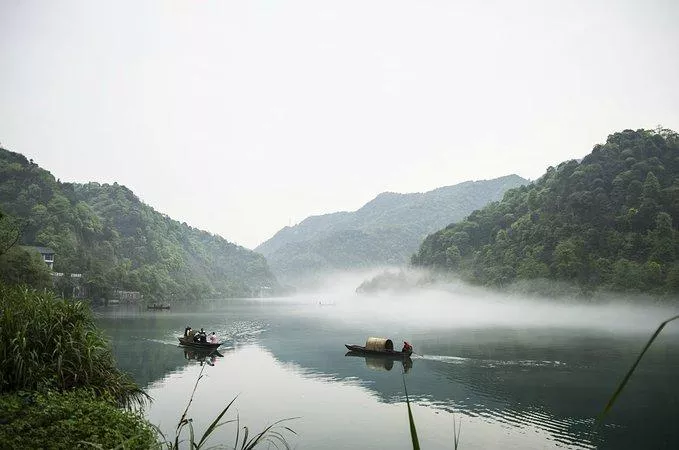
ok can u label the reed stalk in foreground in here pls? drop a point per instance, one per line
(411, 421)
(413, 431)
(457, 428)
(272, 434)
(629, 373)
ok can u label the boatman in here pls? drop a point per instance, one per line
(407, 348)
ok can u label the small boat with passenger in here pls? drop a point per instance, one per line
(375, 346)
(188, 341)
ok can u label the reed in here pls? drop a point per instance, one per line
(273, 434)
(47, 343)
(457, 426)
(411, 421)
(630, 372)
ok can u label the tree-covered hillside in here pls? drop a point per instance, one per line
(386, 230)
(609, 221)
(117, 242)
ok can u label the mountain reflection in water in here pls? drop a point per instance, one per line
(512, 388)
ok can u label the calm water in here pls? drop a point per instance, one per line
(518, 387)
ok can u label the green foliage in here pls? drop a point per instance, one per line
(117, 242)
(608, 221)
(49, 343)
(385, 231)
(68, 420)
(10, 232)
(21, 266)
(397, 281)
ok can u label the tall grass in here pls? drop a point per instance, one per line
(49, 343)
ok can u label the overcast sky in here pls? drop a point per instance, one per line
(243, 117)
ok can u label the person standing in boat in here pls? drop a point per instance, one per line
(187, 331)
(407, 348)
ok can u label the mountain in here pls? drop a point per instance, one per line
(608, 221)
(117, 242)
(386, 230)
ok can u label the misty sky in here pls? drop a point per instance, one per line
(243, 117)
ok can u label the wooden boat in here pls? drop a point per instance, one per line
(188, 342)
(158, 307)
(378, 347)
(357, 350)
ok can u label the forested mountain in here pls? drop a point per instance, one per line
(386, 230)
(608, 221)
(117, 242)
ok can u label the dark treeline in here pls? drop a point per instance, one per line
(608, 221)
(117, 242)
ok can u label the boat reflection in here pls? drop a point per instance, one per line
(203, 356)
(382, 363)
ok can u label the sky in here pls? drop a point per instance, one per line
(241, 118)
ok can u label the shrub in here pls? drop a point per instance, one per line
(66, 420)
(48, 343)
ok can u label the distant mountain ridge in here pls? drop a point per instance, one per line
(386, 230)
(116, 241)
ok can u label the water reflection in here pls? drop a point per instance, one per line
(551, 382)
(382, 363)
(203, 356)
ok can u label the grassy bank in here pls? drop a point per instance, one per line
(59, 385)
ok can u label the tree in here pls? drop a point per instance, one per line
(10, 232)
(609, 221)
(21, 266)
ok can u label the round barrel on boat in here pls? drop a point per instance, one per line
(379, 344)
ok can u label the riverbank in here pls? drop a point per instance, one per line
(59, 385)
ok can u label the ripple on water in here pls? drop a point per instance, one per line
(564, 432)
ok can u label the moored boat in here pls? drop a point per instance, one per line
(154, 306)
(379, 347)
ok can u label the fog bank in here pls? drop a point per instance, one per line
(456, 304)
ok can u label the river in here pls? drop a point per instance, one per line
(521, 375)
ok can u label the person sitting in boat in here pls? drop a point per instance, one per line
(213, 338)
(196, 336)
(203, 336)
(187, 331)
(407, 348)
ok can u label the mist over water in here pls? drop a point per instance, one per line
(519, 372)
(459, 305)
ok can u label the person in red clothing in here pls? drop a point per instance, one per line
(407, 348)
